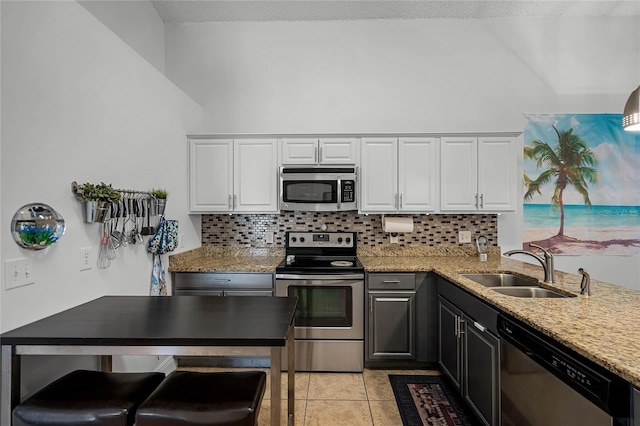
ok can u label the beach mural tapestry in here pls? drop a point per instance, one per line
(582, 185)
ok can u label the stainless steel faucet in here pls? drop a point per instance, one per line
(546, 262)
(585, 284)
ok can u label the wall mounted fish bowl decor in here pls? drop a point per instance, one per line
(36, 226)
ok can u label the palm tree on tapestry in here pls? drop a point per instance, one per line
(570, 162)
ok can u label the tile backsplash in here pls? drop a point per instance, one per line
(252, 230)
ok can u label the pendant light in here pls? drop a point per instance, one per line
(631, 117)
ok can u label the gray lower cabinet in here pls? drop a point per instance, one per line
(391, 316)
(222, 284)
(469, 351)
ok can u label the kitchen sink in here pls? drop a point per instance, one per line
(501, 280)
(528, 292)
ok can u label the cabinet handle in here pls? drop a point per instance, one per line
(477, 201)
(460, 327)
(315, 154)
(400, 200)
(339, 189)
(391, 282)
(230, 207)
(482, 201)
(479, 326)
(320, 155)
(396, 202)
(235, 198)
(457, 326)
(371, 303)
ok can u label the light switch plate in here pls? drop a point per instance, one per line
(17, 273)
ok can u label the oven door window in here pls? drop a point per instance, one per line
(323, 306)
(310, 191)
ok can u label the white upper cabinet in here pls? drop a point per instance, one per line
(378, 175)
(399, 175)
(478, 174)
(314, 151)
(233, 176)
(418, 181)
(210, 175)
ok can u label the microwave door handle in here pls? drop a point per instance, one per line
(339, 191)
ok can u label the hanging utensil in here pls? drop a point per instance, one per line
(115, 233)
(103, 259)
(124, 238)
(139, 221)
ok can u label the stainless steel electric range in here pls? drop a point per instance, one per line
(322, 270)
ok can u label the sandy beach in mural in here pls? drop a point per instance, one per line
(586, 241)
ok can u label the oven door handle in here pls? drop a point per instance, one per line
(306, 277)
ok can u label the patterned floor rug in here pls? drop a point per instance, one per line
(429, 401)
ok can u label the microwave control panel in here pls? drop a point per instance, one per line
(348, 191)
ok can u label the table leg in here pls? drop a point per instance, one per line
(10, 387)
(291, 377)
(106, 363)
(276, 368)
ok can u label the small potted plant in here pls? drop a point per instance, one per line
(98, 199)
(159, 201)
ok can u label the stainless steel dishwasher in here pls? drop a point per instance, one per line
(544, 383)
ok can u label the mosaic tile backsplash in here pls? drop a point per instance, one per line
(429, 230)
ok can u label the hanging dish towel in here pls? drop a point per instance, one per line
(164, 241)
(158, 281)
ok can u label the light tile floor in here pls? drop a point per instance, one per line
(335, 399)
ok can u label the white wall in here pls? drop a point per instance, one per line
(410, 76)
(137, 23)
(78, 104)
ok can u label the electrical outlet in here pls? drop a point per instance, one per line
(181, 240)
(269, 237)
(464, 237)
(85, 258)
(17, 273)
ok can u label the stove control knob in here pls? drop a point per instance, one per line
(294, 239)
(302, 239)
(348, 240)
(339, 239)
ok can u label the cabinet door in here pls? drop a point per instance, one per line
(337, 151)
(458, 173)
(391, 325)
(210, 175)
(418, 180)
(379, 175)
(299, 151)
(449, 352)
(497, 174)
(255, 181)
(482, 372)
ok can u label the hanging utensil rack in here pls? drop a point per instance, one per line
(134, 216)
(77, 189)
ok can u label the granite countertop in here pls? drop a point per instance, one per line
(226, 259)
(602, 327)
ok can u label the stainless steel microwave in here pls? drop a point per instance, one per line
(318, 188)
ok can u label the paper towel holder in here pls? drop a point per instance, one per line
(402, 225)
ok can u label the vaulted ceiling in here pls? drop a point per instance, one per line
(186, 11)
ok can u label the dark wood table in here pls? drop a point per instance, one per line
(146, 325)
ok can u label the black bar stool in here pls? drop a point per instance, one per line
(205, 399)
(85, 397)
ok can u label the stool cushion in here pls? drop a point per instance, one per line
(205, 399)
(85, 397)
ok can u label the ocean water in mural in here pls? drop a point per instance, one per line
(582, 185)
